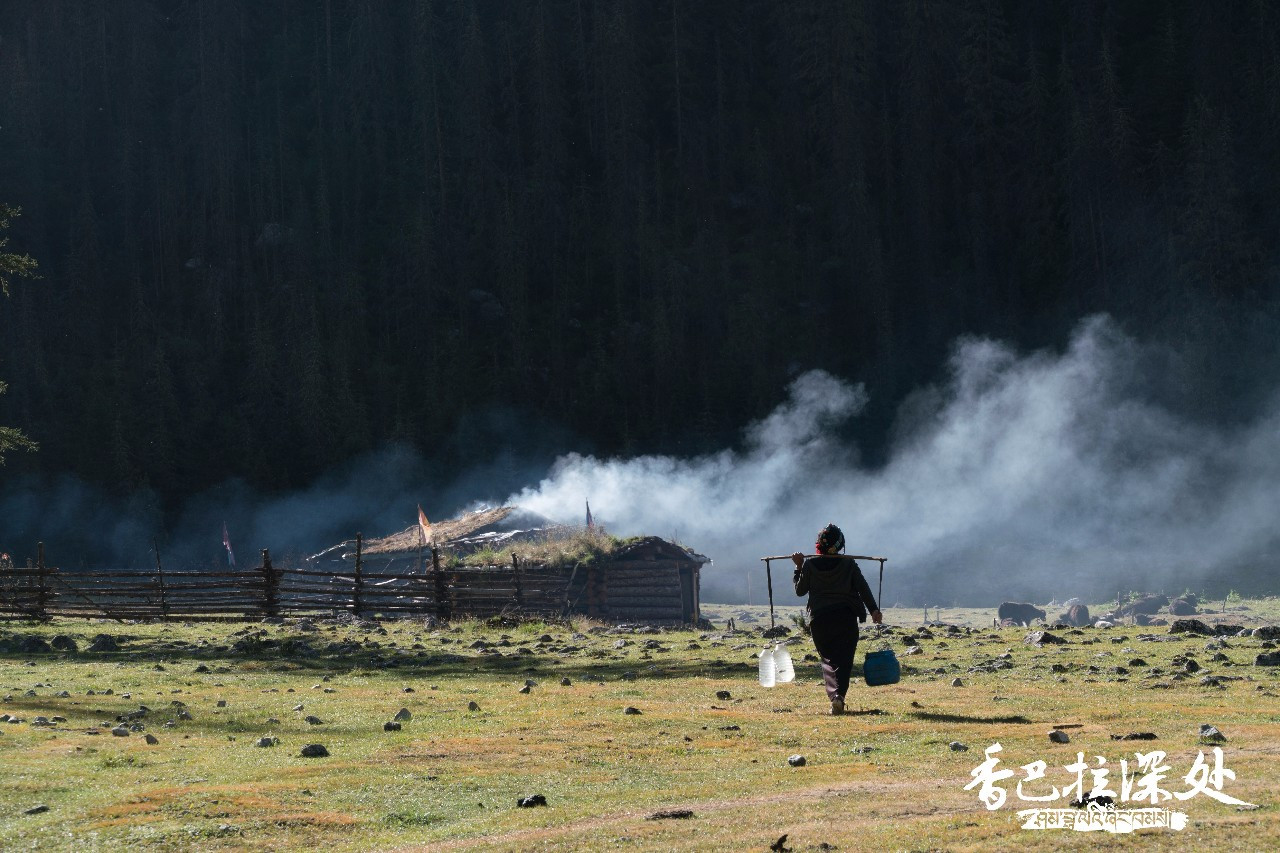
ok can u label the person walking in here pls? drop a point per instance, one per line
(839, 598)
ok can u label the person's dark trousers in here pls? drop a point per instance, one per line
(835, 635)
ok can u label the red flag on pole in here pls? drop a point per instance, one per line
(226, 543)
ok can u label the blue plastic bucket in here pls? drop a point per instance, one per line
(881, 668)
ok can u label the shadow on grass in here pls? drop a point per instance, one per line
(301, 654)
(965, 718)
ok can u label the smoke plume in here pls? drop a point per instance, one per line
(1021, 477)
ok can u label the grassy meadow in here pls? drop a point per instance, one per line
(883, 777)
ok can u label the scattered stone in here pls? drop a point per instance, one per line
(266, 741)
(473, 706)
(524, 689)
(631, 710)
(1210, 734)
(1057, 667)
(671, 814)
(314, 750)
(1059, 736)
(407, 690)
(391, 726)
(202, 668)
(222, 703)
(104, 643)
(566, 681)
(1267, 659)
(723, 695)
(63, 643)
(630, 675)
(1267, 632)
(797, 761)
(403, 716)
(531, 801)
(40, 809)
(313, 720)
(957, 746)
(151, 739)
(1190, 626)
(1136, 736)
(957, 682)
(1040, 638)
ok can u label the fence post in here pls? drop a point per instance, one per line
(443, 610)
(271, 591)
(42, 592)
(359, 581)
(515, 574)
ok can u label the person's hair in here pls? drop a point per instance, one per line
(830, 540)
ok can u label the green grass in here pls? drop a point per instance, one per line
(451, 777)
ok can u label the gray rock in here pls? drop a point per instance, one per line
(1059, 736)
(40, 809)
(957, 746)
(1040, 638)
(120, 731)
(1262, 632)
(1267, 659)
(312, 719)
(631, 710)
(723, 695)
(473, 706)
(314, 750)
(1210, 734)
(104, 643)
(1190, 626)
(266, 741)
(531, 801)
(566, 681)
(63, 643)
(957, 682)
(525, 689)
(391, 726)
(151, 739)
(403, 716)
(797, 761)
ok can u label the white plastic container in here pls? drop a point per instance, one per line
(768, 670)
(783, 670)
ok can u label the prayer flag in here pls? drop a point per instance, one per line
(226, 543)
(424, 527)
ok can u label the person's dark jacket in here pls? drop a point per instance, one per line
(833, 581)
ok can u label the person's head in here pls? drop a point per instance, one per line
(830, 540)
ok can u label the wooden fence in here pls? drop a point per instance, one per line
(41, 591)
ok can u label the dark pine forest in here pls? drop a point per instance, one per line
(273, 234)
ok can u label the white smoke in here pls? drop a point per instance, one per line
(1025, 476)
